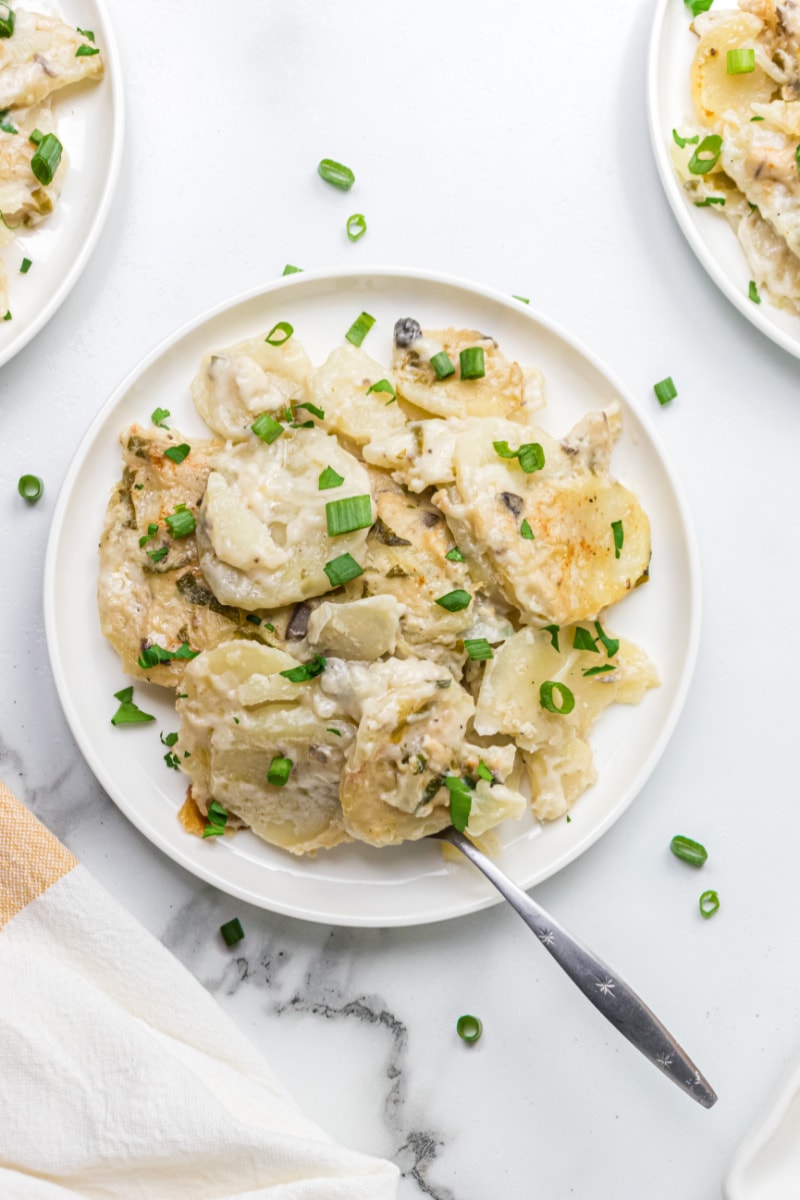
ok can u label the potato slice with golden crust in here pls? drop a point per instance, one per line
(714, 91)
(499, 393)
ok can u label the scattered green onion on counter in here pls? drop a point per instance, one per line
(665, 390)
(469, 1028)
(232, 932)
(336, 174)
(688, 850)
(356, 226)
(30, 487)
(709, 903)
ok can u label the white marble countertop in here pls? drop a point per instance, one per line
(511, 149)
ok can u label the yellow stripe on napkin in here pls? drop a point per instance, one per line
(31, 859)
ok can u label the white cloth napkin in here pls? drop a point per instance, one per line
(119, 1075)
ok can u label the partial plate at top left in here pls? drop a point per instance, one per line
(90, 123)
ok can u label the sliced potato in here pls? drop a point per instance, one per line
(500, 392)
(234, 386)
(714, 91)
(340, 387)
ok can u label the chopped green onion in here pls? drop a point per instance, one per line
(709, 903)
(280, 333)
(253, 619)
(85, 51)
(566, 697)
(35, 136)
(312, 408)
(756, 118)
(157, 555)
(329, 479)
(740, 62)
(455, 601)
(152, 530)
(336, 174)
(522, 299)
(342, 569)
(356, 226)
(706, 156)
(599, 670)
(169, 740)
(688, 851)
(44, 163)
(460, 801)
(382, 385)
(159, 416)
(469, 1028)
(267, 428)
(290, 270)
(483, 772)
(305, 671)
(472, 363)
(665, 390)
(25, 266)
(583, 640)
(478, 649)
(454, 555)
(504, 450)
(530, 455)
(698, 6)
(7, 127)
(526, 531)
(752, 292)
(177, 454)
(232, 932)
(271, 628)
(217, 820)
(709, 200)
(7, 19)
(30, 487)
(87, 33)
(619, 537)
(128, 713)
(337, 732)
(151, 656)
(181, 523)
(5, 222)
(682, 141)
(7, 317)
(360, 328)
(352, 512)
(172, 761)
(279, 771)
(611, 644)
(554, 631)
(442, 365)
(796, 159)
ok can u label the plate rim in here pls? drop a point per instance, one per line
(330, 276)
(113, 73)
(669, 183)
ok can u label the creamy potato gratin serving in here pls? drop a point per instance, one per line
(39, 55)
(379, 594)
(740, 155)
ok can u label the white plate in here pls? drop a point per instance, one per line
(767, 1164)
(357, 885)
(669, 104)
(90, 120)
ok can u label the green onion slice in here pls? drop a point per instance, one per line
(6, 126)
(554, 631)
(382, 385)
(526, 531)
(530, 456)
(30, 487)
(35, 136)
(44, 163)
(152, 530)
(698, 6)
(169, 740)
(25, 266)
(740, 62)
(472, 363)
(454, 555)
(159, 416)
(611, 644)
(312, 408)
(455, 601)
(478, 649)
(342, 569)
(157, 555)
(279, 771)
(305, 671)
(604, 669)
(329, 479)
(87, 33)
(290, 270)
(267, 428)
(232, 932)
(360, 328)
(566, 698)
(5, 222)
(151, 656)
(796, 154)
(583, 640)
(356, 226)
(177, 454)
(460, 801)
(7, 317)
(504, 450)
(469, 1028)
(217, 820)
(181, 523)
(280, 333)
(336, 174)
(352, 512)
(85, 51)
(752, 292)
(688, 850)
(522, 299)
(709, 200)
(706, 156)
(442, 365)
(337, 732)
(7, 19)
(665, 390)
(619, 537)
(709, 903)
(483, 772)
(682, 141)
(128, 713)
